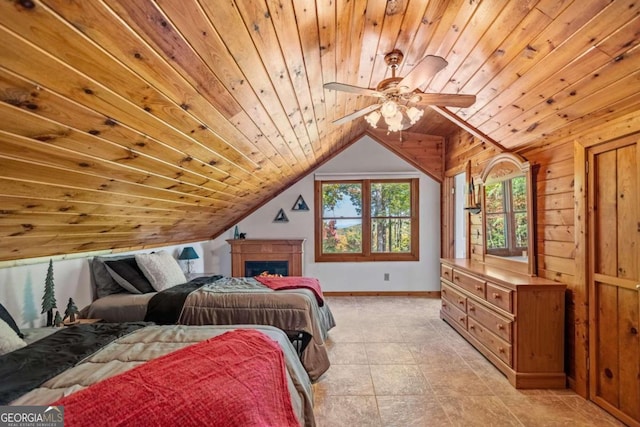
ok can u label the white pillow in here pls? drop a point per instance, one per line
(9, 340)
(162, 270)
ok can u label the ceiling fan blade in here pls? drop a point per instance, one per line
(444, 99)
(353, 89)
(357, 114)
(428, 67)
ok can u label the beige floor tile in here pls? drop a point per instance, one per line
(348, 353)
(414, 411)
(346, 411)
(461, 381)
(543, 411)
(398, 380)
(483, 411)
(345, 380)
(388, 354)
(375, 332)
(346, 333)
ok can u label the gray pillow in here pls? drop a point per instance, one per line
(103, 282)
(129, 275)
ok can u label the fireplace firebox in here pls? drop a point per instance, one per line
(255, 268)
(269, 251)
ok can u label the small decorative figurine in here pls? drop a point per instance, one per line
(57, 321)
(71, 311)
(242, 236)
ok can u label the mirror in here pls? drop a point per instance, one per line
(507, 214)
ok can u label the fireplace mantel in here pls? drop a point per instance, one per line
(266, 250)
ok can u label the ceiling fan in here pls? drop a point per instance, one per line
(395, 93)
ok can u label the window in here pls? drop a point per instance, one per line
(366, 220)
(506, 217)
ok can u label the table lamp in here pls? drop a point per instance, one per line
(188, 254)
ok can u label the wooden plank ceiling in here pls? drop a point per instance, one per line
(127, 124)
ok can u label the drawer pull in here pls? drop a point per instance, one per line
(500, 326)
(444, 291)
(446, 273)
(444, 304)
(501, 349)
(478, 288)
(461, 319)
(496, 295)
(472, 308)
(456, 277)
(461, 302)
(472, 327)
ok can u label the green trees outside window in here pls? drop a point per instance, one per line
(367, 219)
(506, 217)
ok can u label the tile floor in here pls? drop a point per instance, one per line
(395, 363)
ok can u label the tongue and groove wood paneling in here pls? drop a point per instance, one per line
(156, 122)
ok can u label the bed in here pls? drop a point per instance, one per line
(216, 300)
(84, 366)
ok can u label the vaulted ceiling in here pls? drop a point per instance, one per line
(140, 123)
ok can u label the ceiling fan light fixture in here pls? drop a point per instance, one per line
(414, 114)
(373, 118)
(389, 109)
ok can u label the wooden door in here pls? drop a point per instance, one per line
(614, 307)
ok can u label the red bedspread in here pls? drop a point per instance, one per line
(293, 282)
(235, 379)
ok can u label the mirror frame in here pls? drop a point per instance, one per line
(528, 268)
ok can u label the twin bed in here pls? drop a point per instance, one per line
(133, 373)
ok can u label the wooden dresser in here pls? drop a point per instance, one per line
(515, 321)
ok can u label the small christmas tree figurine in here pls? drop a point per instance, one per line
(71, 311)
(49, 298)
(57, 321)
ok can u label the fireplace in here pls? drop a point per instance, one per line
(274, 253)
(255, 268)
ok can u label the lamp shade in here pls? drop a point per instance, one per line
(188, 253)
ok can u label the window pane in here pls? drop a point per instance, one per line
(391, 235)
(390, 199)
(341, 236)
(521, 230)
(494, 197)
(341, 200)
(496, 231)
(519, 193)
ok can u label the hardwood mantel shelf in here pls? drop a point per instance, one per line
(243, 250)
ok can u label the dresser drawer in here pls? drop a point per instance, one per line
(500, 297)
(499, 347)
(454, 314)
(495, 323)
(469, 283)
(446, 272)
(454, 297)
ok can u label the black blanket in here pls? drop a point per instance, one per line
(24, 369)
(164, 308)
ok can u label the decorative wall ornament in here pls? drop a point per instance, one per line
(300, 204)
(281, 216)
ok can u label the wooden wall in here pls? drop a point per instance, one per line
(555, 229)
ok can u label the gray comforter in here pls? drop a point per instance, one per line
(246, 301)
(154, 341)
(230, 301)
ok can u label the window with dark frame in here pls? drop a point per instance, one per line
(506, 217)
(367, 220)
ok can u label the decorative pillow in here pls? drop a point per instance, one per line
(128, 275)
(162, 270)
(9, 340)
(6, 316)
(103, 282)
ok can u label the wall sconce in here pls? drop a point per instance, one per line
(188, 254)
(471, 205)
